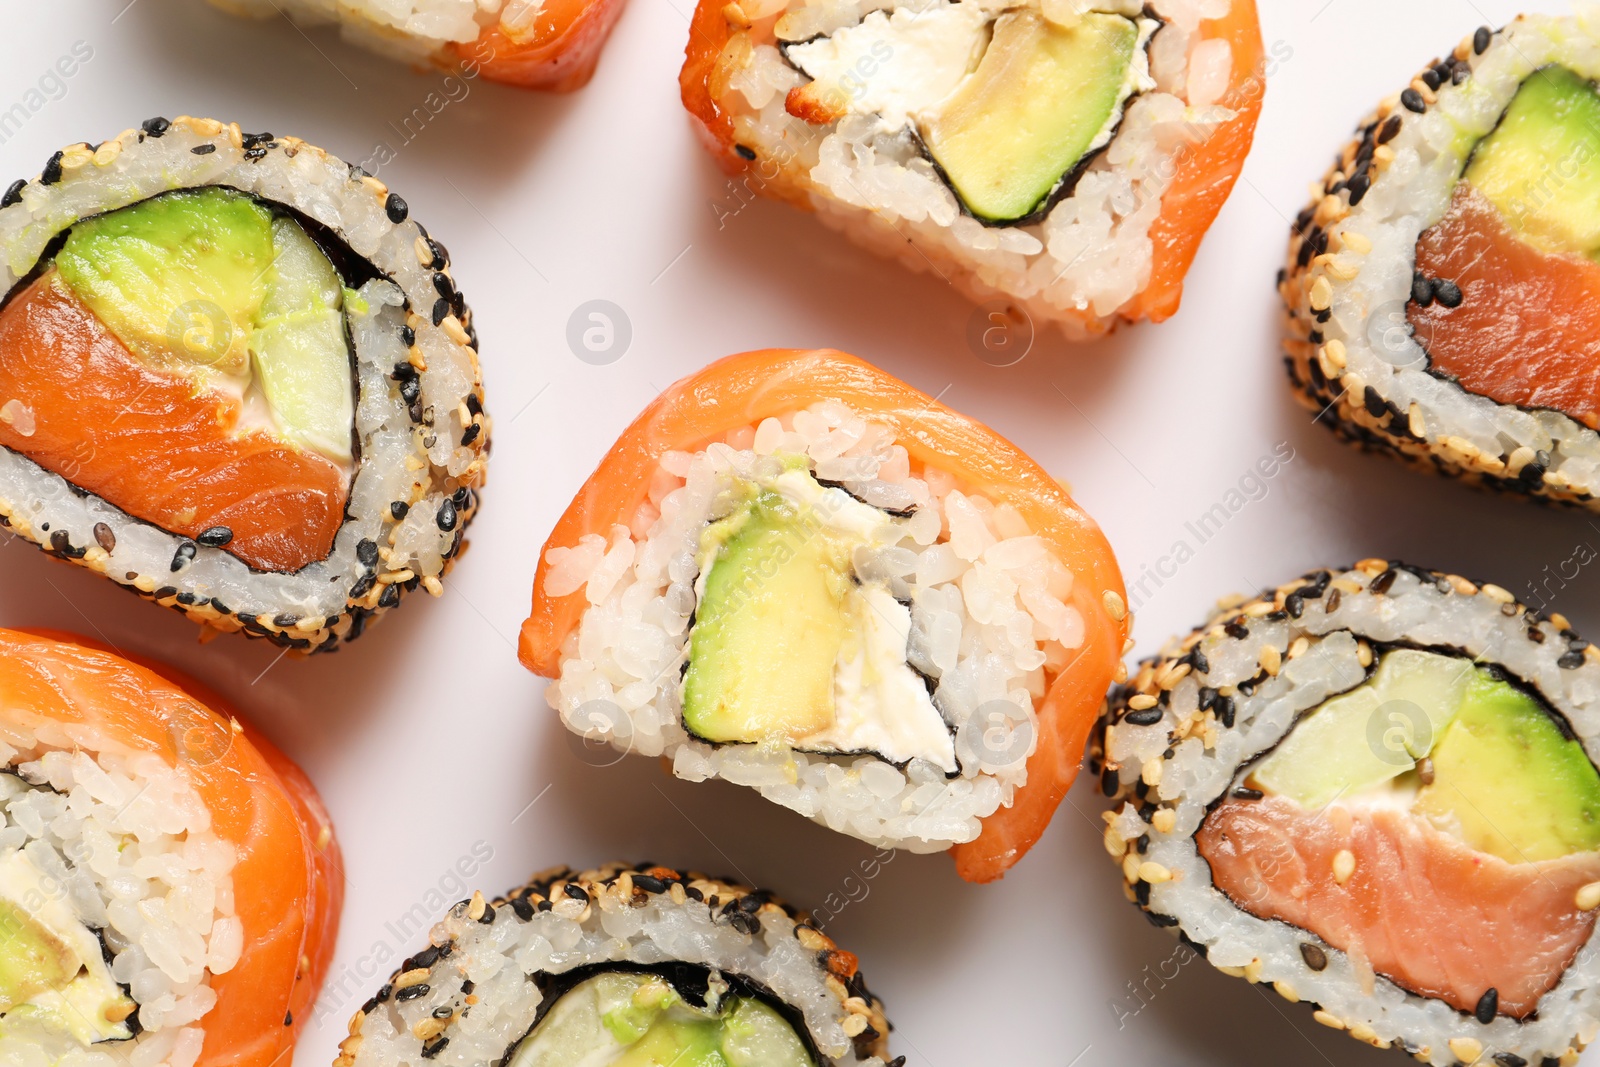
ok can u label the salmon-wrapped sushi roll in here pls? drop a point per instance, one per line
(235, 378)
(1443, 291)
(169, 882)
(535, 44)
(797, 573)
(624, 966)
(1374, 789)
(1065, 157)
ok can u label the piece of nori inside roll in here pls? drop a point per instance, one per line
(654, 966)
(1375, 790)
(235, 379)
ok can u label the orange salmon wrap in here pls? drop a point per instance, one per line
(777, 155)
(741, 391)
(288, 875)
(559, 54)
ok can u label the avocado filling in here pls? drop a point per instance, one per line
(211, 285)
(626, 1019)
(1452, 743)
(795, 644)
(1009, 108)
(53, 971)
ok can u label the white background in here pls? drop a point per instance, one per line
(427, 738)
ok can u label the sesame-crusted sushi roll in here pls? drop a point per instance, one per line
(1065, 156)
(624, 966)
(1375, 790)
(236, 379)
(797, 573)
(169, 882)
(534, 44)
(1441, 290)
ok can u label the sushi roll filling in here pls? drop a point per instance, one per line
(1435, 776)
(800, 637)
(1010, 106)
(195, 350)
(629, 1016)
(1509, 277)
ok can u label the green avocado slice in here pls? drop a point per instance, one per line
(1043, 97)
(1541, 165)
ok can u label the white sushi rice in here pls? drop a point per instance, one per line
(400, 461)
(405, 29)
(124, 838)
(1202, 768)
(1369, 289)
(990, 614)
(610, 926)
(1090, 256)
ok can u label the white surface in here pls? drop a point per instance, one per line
(428, 739)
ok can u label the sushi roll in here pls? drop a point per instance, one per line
(1374, 790)
(236, 379)
(533, 44)
(169, 882)
(625, 965)
(795, 572)
(1441, 288)
(1064, 156)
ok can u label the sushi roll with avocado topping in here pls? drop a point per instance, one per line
(533, 44)
(1064, 157)
(625, 966)
(170, 885)
(797, 573)
(1442, 288)
(237, 379)
(1374, 790)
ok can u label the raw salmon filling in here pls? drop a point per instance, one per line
(186, 359)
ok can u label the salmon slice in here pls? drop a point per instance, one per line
(558, 52)
(288, 882)
(144, 441)
(742, 390)
(1527, 331)
(1423, 909)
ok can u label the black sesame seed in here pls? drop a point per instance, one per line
(367, 552)
(288, 1018)
(220, 607)
(1162, 921)
(408, 335)
(1382, 583)
(1488, 1006)
(1358, 187)
(203, 149)
(1570, 661)
(1447, 292)
(430, 1051)
(1225, 710)
(1108, 782)
(164, 592)
(1509, 1059)
(1141, 893)
(447, 516)
(1143, 717)
(1246, 793)
(13, 193)
(1208, 697)
(52, 170)
(1236, 630)
(488, 909)
(285, 620)
(412, 992)
(745, 152)
(62, 545)
(186, 599)
(649, 883)
(1480, 39)
(183, 556)
(363, 587)
(1413, 101)
(390, 597)
(1390, 129)
(426, 958)
(404, 372)
(155, 127)
(1315, 958)
(575, 891)
(1460, 73)
(396, 209)
(411, 391)
(522, 909)
(399, 509)
(441, 308)
(1431, 79)
(443, 1011)
(472, 434)
(443, 286)
(1332, 604)
(215, 537)
(1421, 290)
(1294, 604)
(1373, 402)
